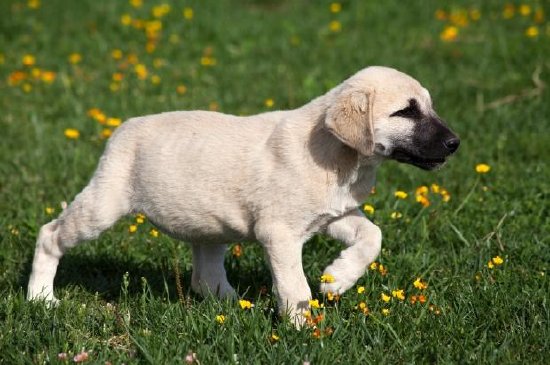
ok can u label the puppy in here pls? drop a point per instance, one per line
(278, 178)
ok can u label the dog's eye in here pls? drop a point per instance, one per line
(410, 112)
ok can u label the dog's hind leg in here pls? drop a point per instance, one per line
(96, 208)
(209, 277)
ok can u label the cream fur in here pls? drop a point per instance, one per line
(278, 178)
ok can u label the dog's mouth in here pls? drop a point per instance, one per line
(425, 163)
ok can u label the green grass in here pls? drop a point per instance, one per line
(282, 50)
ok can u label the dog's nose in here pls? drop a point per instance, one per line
(452, 144)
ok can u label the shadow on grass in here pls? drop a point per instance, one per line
(104, 274)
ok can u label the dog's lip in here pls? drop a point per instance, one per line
(426, 163)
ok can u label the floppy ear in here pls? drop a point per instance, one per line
(350, 119)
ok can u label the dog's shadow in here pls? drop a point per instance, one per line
(105, 275)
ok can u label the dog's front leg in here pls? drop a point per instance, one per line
(284, 254)
(364, 240)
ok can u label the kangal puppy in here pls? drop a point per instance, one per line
(279, 178)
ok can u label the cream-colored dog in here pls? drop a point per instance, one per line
(278, 178)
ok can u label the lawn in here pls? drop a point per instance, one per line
(468, 248)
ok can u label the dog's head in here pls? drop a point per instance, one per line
(381, 111)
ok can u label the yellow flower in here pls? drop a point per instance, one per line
(423, 200)
(369, 209)
(327, 278)
(314, 303)
(126, 19)
(508, 11)
(382, 270)
(33, 4)
(116, 54)
(181, 89)
(435, 188)
(136, 3)
(482, 168)
(384, 297)
(274, 338)
(335, 8)
(208, 61)
(490, 264)
(106, 133)
(188, 13)
(449, 34)
(396, 215)
(132, 228)
(539, 16)
(497, 260)
(28, 60)
(421, 190)
(27, 87)
(399, 294)
(385, 311)
(524, 9)
(373, 265)
(154, 233)
(160, 10)
(141, 71)
(140, 219)
(75, 58)
(363, 308)
(335, 26)
(48, 76)
(49, 210)
(72, 133)
(269, 103)
(117, 76)
(441, 14)
(459, 18)
(220, 318)
(360, 289)
(113, 122)
(155, 79)
(245, 304)
(446, 196)
(400, 194)
(419, 284)
(532, 31)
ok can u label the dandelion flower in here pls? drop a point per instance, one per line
(116, 54)
(132, 228)
(106, 133)
(245, 304)
(369, 209)
(188, 13)
(75, 58)
(113, 122)
(532, 31)
(497, 260)
(314, 303)
(269, 103)
(385, 298)
(126, 19)
(425, 202)
(382, 270)
(33, 4)
(335, 26)
(441, 14)
(363, 308)
(72, 133)
(373, 265)
(48, 76)
(449, 34)
(385, 311)
(399, 294)
(274, 338)
(400, 194)
(360, 289)
(28, 60)
(524, 10)
(49, 210)
(220, 318)
(327, 278)
(154, 233)
(419, 284)
(181, 89)
(136, 3)
(482, 168)
(396, 215)
(335, 8)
